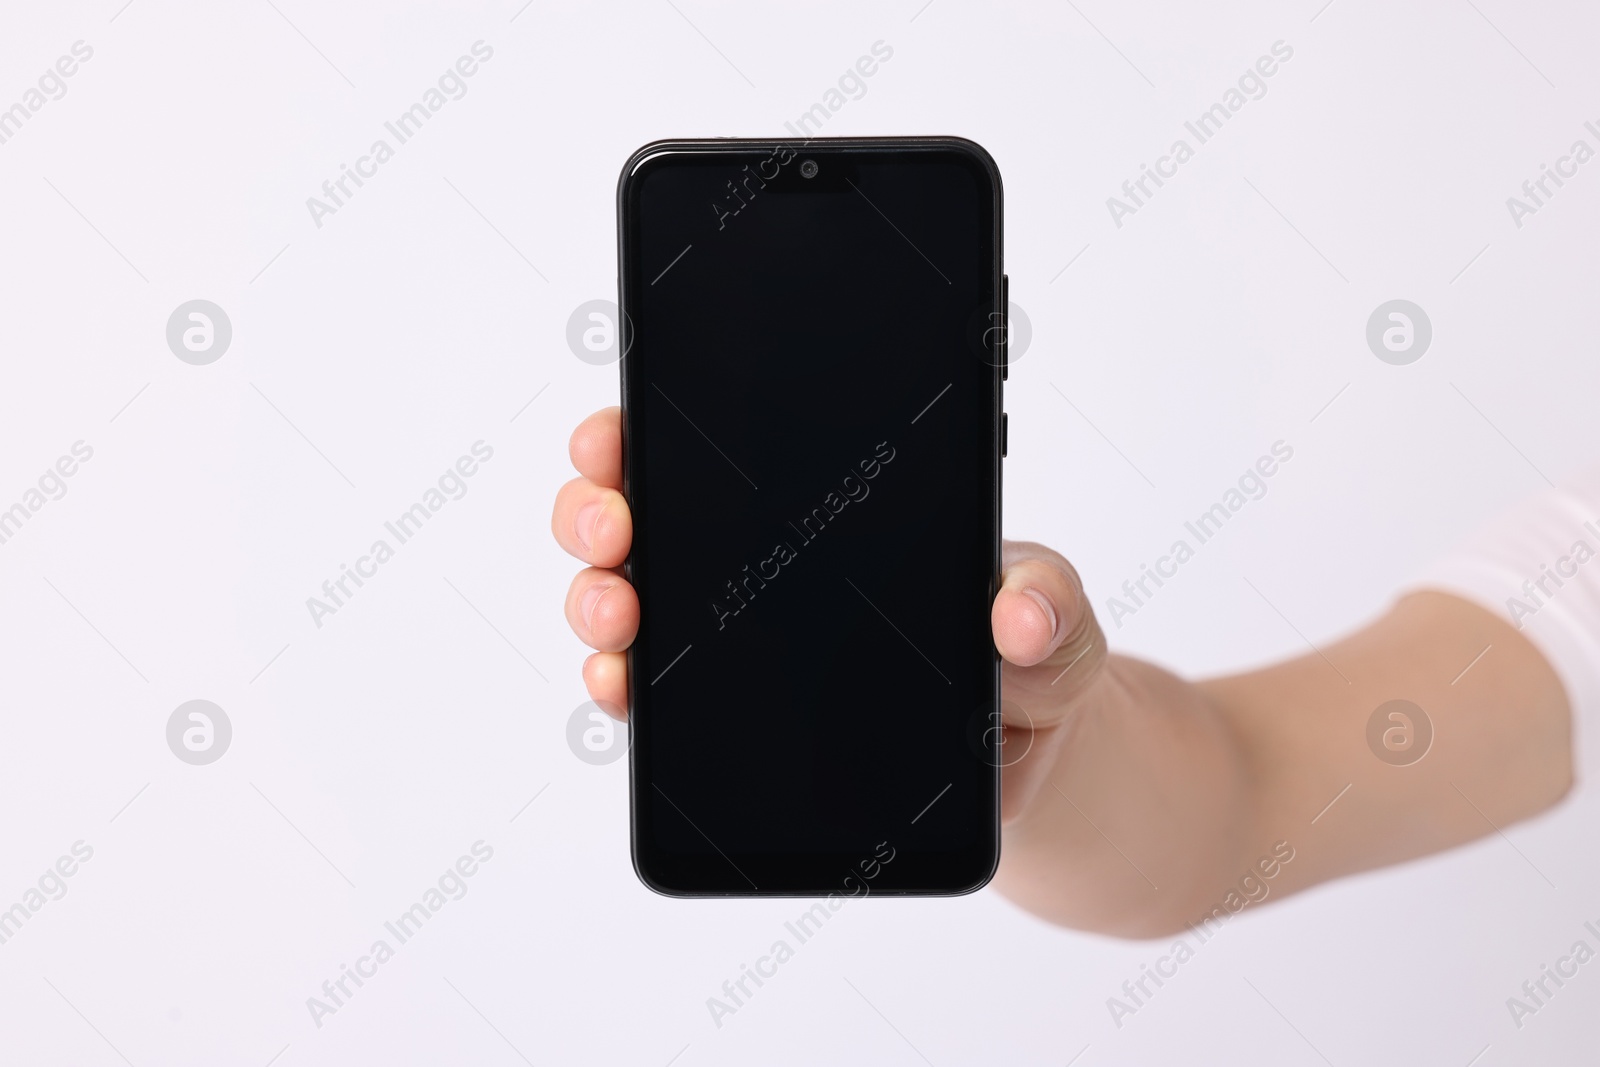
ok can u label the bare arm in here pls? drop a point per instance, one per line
(1190, 786)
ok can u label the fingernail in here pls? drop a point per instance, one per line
(588, 518)
(1044, 606)
(590, 598)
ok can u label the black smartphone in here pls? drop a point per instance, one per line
(814, 345)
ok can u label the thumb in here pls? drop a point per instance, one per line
(1046, 631)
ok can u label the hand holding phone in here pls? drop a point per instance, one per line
(1051, 646)
(1132, 799)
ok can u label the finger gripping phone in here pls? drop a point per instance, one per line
(812, 441)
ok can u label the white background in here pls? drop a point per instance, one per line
(375, 750)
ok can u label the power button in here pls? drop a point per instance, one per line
(1005, 433)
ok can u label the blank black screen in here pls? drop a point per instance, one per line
(811, 428)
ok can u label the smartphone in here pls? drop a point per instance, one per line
(813, 353)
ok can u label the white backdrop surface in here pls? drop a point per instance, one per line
(374, 345)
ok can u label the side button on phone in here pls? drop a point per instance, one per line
(1005, 309)
(1005, 433)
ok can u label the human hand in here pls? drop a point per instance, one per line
(1052, 647)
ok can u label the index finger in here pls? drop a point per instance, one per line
(596, 448)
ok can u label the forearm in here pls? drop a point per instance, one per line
(1153, 799)
(1500, 748)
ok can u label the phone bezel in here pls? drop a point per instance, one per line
(805, 875)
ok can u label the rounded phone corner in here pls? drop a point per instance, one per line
(978, 153)
(644, 155)
(651, 882)
(983, 878)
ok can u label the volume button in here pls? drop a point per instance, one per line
(1005, 334)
